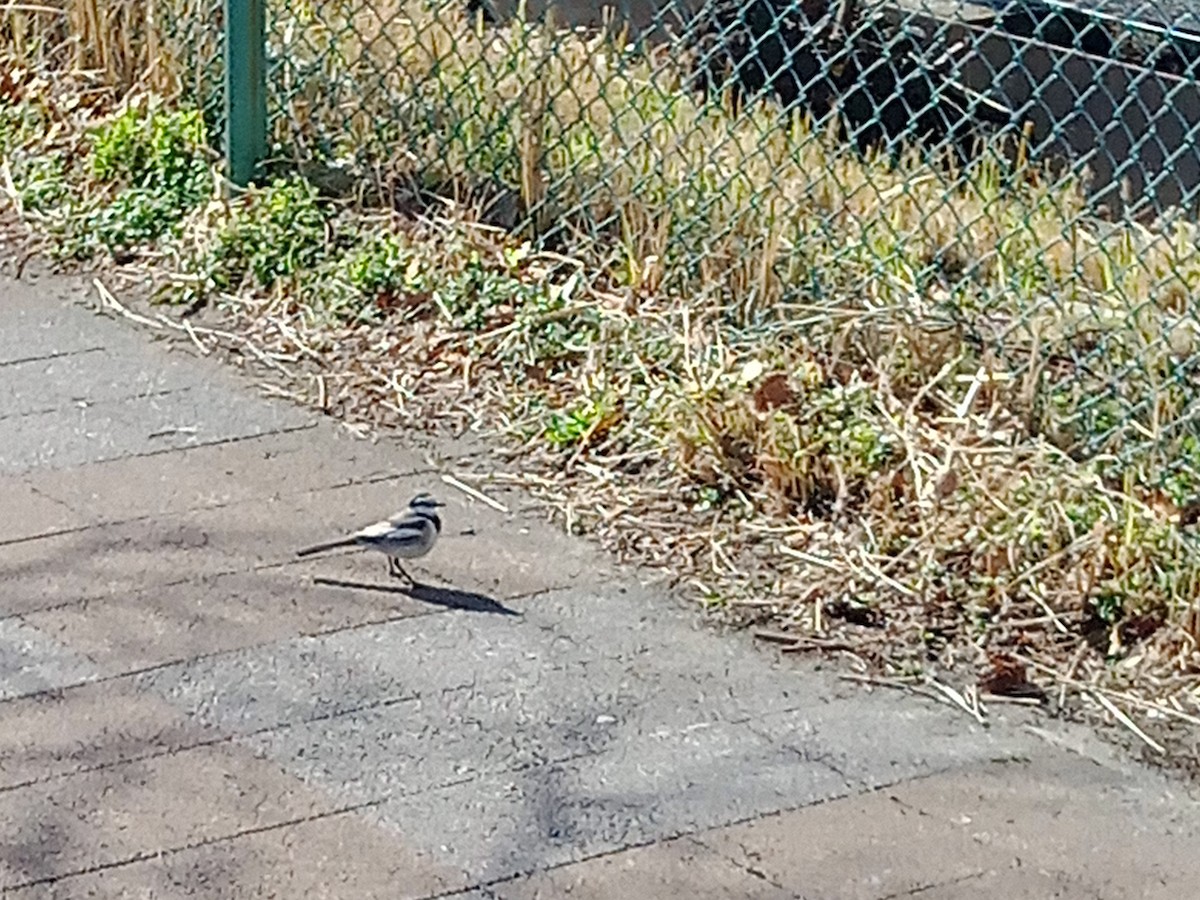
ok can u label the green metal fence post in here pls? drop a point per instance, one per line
(245, 89)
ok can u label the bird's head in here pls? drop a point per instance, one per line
(424, 500)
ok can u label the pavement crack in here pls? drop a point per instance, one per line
(74, 403)
(480, 889)
(763, 876)
(46, 357)
(42, 535)
(804, 754)
(47, 497)
(933, 885)
(216, 740)
(699, 836)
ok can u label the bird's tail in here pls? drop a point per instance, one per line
(328, 545)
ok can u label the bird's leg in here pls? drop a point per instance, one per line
(397, 571)
(412, 582)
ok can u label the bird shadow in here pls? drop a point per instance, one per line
(450, 598)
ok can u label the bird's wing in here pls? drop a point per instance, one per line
(404, 517)
(395, 538)
(376, 530)
(408, 519)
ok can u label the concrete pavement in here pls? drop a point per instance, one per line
(186, 712)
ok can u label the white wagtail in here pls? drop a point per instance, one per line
(406, 535)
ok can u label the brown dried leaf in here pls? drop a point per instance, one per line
(9, 88)
(1138, 628)
(843, 371)
(947, 485)
(855, 613)
(1007, 677)
(773, 393)
(1189, 514)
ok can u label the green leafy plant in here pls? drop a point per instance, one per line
(569, 427)
(274, 234)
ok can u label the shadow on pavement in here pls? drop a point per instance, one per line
(450, 598)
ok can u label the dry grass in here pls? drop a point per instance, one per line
(941, 417)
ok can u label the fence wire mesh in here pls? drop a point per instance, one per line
(172, 48)
(1016, 183)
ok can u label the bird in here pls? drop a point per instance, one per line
(408, 534)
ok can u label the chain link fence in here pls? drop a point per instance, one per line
(1011, 189)
(1019, 179)
(1017, 183)
(172, 48)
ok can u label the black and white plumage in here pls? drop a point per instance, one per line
(408, 534)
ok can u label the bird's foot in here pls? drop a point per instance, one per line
(397, 571)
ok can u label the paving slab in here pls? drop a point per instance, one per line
(29, 513)
(1022, 883)
(81, 388)
(91, 726)
(334, 857)
(129, 632)
(45, 385)
(108, 429)
(103, 817)
(149, 591)
(221, 474)
(114, 560)
(96, 563)
(1048, 822)
(679, 869)
(42, 320)
(556, 812)
(528, 667)
(32, 661)
(582, 726)
(500, 557)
